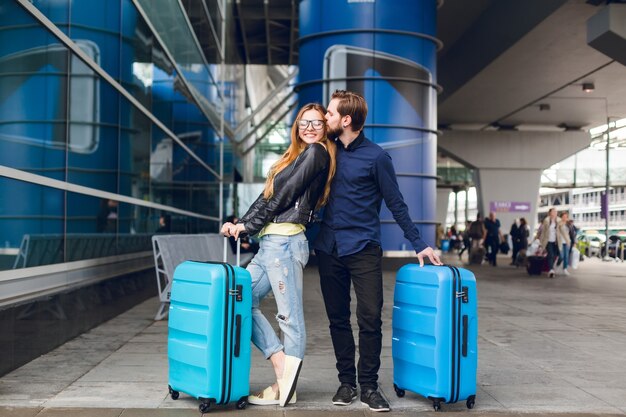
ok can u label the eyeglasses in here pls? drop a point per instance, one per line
(317, 124)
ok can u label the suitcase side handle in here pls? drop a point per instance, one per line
(465, 331)
(237, 335)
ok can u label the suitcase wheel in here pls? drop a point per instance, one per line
(173, 394)
(471, 400)
(399, 391)
(204, 407)
(437, 402)
(242, 403)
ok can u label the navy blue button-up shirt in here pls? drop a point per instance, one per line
(364, 177)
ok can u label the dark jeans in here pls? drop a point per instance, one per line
(492, 245)
(466, 245)
(363, 270)
(516, 248)
(553, 253)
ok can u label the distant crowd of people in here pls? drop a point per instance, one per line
(483, 239)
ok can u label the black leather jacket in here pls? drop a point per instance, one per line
(296, 191)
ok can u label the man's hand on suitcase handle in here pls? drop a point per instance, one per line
(229, 229)
(430, 253)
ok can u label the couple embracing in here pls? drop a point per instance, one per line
(328, 163)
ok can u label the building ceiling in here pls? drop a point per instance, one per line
(505, 64)
(267, 31)
(526, 63)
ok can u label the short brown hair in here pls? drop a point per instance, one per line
(351, 104)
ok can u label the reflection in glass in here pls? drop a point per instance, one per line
(32, 210)
(81, 130)
(181, 43)
(208, 30)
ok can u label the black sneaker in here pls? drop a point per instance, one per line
(374, 400)
(345, 395)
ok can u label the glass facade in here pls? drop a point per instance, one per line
(144, 126)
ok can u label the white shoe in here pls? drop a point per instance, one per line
(551, 273)
(268, 397)
(287, 384)
(565, 272)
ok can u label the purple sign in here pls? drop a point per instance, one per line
(509, 207)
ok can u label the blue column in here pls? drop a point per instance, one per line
(385, 50)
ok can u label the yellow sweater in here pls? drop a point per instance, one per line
(283, 229)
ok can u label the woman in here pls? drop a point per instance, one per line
(566, 241)
(552, 237)
(297, 184)
(523, 234)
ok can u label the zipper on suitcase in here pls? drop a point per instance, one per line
(231, 292)
(229, 317)
(453, 350)
(459, 295)
(459, 335)
(225, 373)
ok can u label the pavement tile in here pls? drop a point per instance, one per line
(538, 398)
(610, 377)
(19, 411)
(107, 394)
(542, 349)
(316, 413)
(159, 412)
(29, 394)
(614, 396)
(76, 412)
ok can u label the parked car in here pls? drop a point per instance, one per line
(616, 246)
(590, 244)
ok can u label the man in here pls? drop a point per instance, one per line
(573, 230)
(477, 233)
(516, 238)
(349, 251)
(493, 237)
(466, 239)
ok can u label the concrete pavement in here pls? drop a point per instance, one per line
(545, 346)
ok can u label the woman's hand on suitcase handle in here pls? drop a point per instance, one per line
(225, 230)
(432, 256)
(229, 229)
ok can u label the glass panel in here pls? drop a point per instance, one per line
(101, 140)
(56, 11)
(32, 64)
(207, 30)
(95, 27)
(165, 15)
(31, 226)
(99, 227)
(134, 152)
(216, 15)
(95, 113)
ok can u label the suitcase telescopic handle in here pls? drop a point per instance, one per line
(226, 250)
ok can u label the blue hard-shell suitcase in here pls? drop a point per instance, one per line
(435, 332)
(209, 330)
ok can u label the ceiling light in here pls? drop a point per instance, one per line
(588, 87)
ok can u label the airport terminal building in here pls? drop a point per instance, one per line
(121, 120)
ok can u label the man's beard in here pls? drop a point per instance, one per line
(334, 133)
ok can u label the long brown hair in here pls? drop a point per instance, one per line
(296, 147)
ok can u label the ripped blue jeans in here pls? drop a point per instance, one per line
(278, 267)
